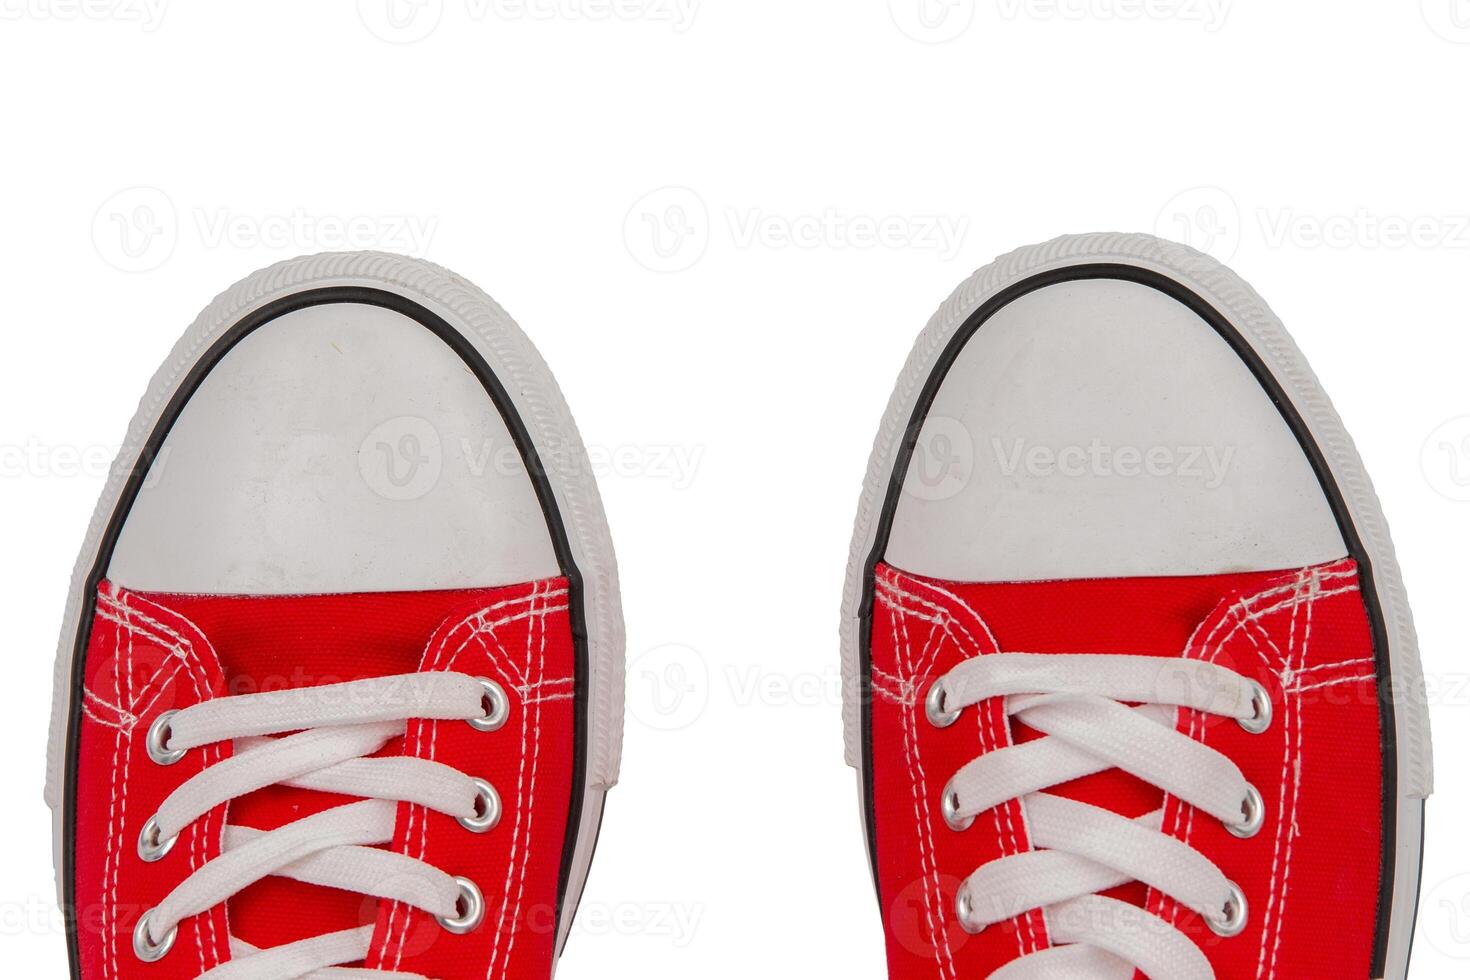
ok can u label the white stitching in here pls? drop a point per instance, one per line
(160, 679)
(887, 695)
(531, 801)
(952, 597)
(124, 717)
(1358, 679)
(1246, 622)
(114, 837)
(1337, 666)
(1007, 815)
(200, 837)
(1288, 773)
(521, 806)
(923, 816)
(1013, 812)
(1210, 647)
(1241, 618)
(1293, 828)
(197, 834)
(434, 659)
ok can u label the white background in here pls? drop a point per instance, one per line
(678, 200)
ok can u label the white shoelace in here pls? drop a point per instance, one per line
(337, 728)
(1079, 702)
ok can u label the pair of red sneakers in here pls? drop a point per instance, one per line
(1130, 676)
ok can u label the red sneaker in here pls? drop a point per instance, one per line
(340, 683)
(1131, 677)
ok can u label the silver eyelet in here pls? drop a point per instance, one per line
(1231, 920)
(950, 807)
(934, 707)
(471, 908)
(143, 945)
(158, 737)
(1258, 722)
(1253, 815)
(488, 809)
(964, 910)
(150, 847)
(497, 708)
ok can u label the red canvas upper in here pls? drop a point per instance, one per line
(1311, 875)
(151, 653)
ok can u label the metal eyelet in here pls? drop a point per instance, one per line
(950, 807)
(150, 847)
(471, 908)
(1261, 702)
(934, 708)
(964, 910)
(1253, 814)
(488, 810)
(497, 708)
(1231, 921)
(158, 738)
(143, 945)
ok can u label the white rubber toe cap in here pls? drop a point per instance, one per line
(1101, 428)
(337, 448)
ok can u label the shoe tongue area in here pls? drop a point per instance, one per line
(1153, 617)
(276, 643)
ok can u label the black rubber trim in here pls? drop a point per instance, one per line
(1289, 413)
(461, 345)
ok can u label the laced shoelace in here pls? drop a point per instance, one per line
(336, 729)
(1080, 704)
